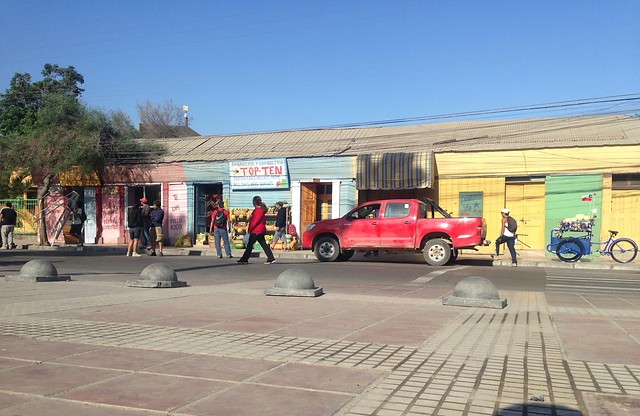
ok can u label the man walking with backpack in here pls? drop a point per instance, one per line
(219, 228)
(508, 236)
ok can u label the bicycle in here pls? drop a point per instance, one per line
(571, 249)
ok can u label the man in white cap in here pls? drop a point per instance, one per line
(507, 235)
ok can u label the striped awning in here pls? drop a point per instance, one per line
(395, 171)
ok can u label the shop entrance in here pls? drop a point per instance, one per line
(526, 202)
(205, 196)
(316, 202)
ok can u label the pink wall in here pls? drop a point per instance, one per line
(112, 217)
(176, 210)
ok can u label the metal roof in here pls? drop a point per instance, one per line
(459, 136)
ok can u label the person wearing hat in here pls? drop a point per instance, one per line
(507, 235)
(219, 228)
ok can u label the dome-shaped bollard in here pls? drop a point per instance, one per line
(475, 291)
(157, 275)
(294, 282)
(38, 270)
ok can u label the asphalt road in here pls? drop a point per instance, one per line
(375, 272)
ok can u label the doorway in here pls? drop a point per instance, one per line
(316, 202)
(526, 200)
(205, 196)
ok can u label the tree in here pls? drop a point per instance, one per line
(159, 121)
(24, 98)
(46, 130)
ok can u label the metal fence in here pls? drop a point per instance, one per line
(26, 209)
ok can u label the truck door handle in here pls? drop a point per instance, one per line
(374, 223)
(407, 222)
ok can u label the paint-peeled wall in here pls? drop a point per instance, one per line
(112, 216)
(176, 211)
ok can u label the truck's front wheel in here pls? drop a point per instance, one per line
(437, 252)
(327, 249)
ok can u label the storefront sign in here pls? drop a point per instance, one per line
(259, 174)
(471, 204)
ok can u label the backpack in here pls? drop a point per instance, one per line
(220, 220)
(512, 224)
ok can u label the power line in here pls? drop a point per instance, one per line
(508, 110)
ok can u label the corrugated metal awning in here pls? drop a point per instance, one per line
(395, 171)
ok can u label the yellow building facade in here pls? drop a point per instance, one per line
(517, 179)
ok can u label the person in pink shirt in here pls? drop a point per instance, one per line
(257, 229)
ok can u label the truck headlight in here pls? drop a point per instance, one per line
(309, 227)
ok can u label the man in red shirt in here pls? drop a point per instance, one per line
(257, 230)
(219, 228)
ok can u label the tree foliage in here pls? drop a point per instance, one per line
(24, 98)
(45, 130)
(159, 120)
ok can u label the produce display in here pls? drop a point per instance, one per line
(580, 222)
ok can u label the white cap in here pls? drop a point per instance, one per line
(505, 211)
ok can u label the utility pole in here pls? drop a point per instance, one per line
(185, 108)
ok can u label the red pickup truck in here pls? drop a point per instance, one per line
(395, 224)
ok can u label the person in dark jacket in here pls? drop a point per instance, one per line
(134, 220)
(157, 217)
(8, 218)
(257, 230)
(145, 238)
(281, 226)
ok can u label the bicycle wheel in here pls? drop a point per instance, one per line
(624, 250)
(569, 250)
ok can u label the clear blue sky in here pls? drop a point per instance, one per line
(248, 66)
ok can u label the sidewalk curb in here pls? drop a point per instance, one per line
(527, 258)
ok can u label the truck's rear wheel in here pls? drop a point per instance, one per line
(327, 249)
(437, 252)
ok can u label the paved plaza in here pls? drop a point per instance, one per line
(97, 347)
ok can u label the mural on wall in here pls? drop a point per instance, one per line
(176, 211)
(111, 219)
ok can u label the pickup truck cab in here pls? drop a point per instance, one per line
(395, 224)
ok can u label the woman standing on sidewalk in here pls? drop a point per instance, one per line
(257, 230)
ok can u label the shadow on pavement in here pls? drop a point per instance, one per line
(537, 408)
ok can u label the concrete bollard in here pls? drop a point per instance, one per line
(294, 282)
(475, 291)
(38, 270)
(157, 275)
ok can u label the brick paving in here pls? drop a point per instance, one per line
(93, 358)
